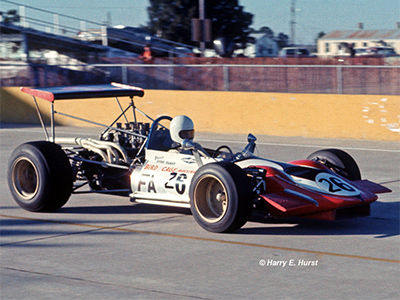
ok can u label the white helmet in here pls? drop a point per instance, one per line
(181, 128)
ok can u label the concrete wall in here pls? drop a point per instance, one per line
(372, 117)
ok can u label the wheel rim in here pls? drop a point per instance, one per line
(25, 178)
(211, 199)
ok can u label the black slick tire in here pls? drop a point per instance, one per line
(338, 161)
(40, 176)
(220, 197)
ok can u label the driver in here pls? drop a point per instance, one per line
(181, 128)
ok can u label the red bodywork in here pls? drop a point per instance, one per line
(285, 198)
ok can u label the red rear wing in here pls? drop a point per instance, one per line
(84, 91)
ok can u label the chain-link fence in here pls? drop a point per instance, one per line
(330, 79)
(334, 79)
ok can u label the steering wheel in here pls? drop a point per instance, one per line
(219, 149)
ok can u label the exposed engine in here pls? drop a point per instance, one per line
(117, 147)
(130, 136)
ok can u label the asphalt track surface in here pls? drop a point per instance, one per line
(104, 247)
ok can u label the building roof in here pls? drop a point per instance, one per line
(363, 34)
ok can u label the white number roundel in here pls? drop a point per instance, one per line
(335, 185)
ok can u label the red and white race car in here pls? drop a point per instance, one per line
(159, 163)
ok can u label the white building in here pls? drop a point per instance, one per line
(265, 46)
(332, 43)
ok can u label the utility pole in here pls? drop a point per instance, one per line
(108, 24)
(293, 22)
(201, 28)
(202, 17)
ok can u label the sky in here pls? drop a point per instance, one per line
(312, 16)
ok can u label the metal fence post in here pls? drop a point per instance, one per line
(339, 73)
(124, 71)
(56, 24)
(22, 16)
(26, 46)
(104, 35)
(83, 31)
(225, 71)
(171, 75)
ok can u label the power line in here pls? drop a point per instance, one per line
(50, 12)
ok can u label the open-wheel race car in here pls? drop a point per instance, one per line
(158, 162)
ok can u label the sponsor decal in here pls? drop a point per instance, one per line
(189, 160)
(150, 167)
(169, 169)
(146, 184)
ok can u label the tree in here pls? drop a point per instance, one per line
(320, 35)
(171, 19)
(10, 16)
(282, 40)
(266, 30)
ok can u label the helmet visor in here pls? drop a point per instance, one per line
(186, 134)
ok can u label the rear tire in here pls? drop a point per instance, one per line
(220, 197)
(338, 161)
(40, 176)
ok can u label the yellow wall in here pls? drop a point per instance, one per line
(372, 117)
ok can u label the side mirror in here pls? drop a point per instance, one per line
(251, 138)
(251, 146)
(187, 144)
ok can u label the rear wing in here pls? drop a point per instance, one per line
(84, 92)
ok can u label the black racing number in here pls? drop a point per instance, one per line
(167, 186)
(180, 183)
(341, 184)
(335, 185)
(330, 184)
(179, 179)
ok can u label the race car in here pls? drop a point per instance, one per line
(158, 162)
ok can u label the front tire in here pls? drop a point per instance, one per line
(220, 197)
(40, 176)
(338, 161)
